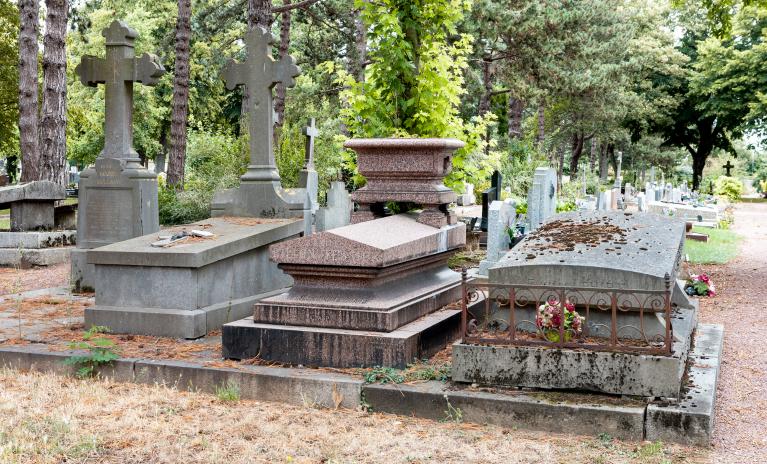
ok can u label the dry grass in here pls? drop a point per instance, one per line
(50, 419)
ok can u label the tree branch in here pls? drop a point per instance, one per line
(293, 6)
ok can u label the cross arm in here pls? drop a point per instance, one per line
(91, 71)
(148, 69)
(286, 70)
(234, 74)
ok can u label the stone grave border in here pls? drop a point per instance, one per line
(691, 421)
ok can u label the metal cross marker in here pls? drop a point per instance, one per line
(259, 74)
(310, 132)
(728, 166)
(118, 71)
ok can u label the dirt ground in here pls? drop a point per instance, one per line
(46, 418)
(740, 306)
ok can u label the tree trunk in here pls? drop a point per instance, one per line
(28, 130)
(575, 155)
(280, 91)
(514, 115)
(603, 158)
(706, 137)
(260, 14)
(53, 120)
(593, 154)
(180, 105)
(541, 125)
(361, 44)
(487, 86)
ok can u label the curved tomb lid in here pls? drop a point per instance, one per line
(596, 249)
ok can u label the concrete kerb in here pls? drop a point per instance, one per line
(300, 387)
(628, 420)
(437, 401)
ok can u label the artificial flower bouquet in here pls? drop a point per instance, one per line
(550, 318)
(700, 285)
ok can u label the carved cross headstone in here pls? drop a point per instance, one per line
(259, 74)
(118, 71)
(310, 131)
(618, 163)
(728, 166)
(307, 177)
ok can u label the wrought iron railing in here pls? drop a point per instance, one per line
(637, 321)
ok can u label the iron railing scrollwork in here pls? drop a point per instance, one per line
(635, 321)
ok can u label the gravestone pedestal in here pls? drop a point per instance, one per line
(116, 204)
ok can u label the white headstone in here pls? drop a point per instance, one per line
(542, 197)
(338, 212)
(501, 216)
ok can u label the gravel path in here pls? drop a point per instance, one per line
(740, 306)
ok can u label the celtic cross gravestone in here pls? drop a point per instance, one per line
(260, 194)
(118, 196)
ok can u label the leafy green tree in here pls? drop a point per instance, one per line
(715, 97)
(731, 74)
(414, 81)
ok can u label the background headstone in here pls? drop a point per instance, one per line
(542, 197)
(502, 215)
(308, 178)
(338, 211)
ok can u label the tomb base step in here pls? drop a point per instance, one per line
(313, 346)
(621, 373)
(175, 323)
(28, 257)
(417, 295)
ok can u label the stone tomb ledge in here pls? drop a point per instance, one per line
(192, 287)
(604, 250)
(313, 346)
(36, 248)
(633, 374)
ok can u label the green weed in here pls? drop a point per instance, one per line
(101, 351)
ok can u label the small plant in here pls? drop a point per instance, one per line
(452, 414)
(101, 351)
(700, 285)
(549, 320)
(383, 375)
(422, 370)
(606, 439)
(229, 392)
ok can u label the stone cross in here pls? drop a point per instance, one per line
(310, 131)
(728, 166)
(259, 74)
(618, 163)
(118, 71)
